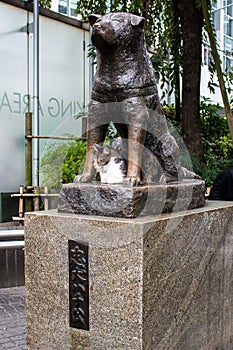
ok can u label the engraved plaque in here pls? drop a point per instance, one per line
(78, 285)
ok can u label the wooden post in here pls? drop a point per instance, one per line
(36, 199)
(21, 209)
(46, 198)
(28, 158)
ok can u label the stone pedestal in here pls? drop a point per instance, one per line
(160, 282)
(129, 202)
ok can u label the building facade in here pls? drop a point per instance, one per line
(222, 15)
(63, 81)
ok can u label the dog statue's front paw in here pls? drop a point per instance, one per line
(82, 178)
(132, 181)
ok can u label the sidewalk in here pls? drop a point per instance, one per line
(12, 319)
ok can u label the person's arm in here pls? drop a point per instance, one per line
(218, 189)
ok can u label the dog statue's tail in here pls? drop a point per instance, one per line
(188, 174)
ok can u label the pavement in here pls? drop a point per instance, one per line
(12, 319)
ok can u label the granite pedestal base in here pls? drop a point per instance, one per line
(130, 202)
(154, 283)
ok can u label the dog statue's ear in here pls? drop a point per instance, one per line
(137, 21)
(93, 18)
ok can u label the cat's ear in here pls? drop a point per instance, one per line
(97, 148)
(106, 151)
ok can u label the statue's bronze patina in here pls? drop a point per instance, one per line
(125, 92)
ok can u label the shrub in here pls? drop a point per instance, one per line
(61, 162)
(74, 161)
(218, 147)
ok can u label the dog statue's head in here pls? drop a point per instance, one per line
(115, 29)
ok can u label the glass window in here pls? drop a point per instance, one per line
(63, 6)
(228, 64)
(210, 60)
(73, 6)
(228, 45)
(213, 5)
(229, 8)
(206, 56)
(228, 26)
(225, 24)
(216, 19)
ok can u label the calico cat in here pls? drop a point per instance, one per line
(111, 167)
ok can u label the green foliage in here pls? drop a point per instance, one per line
(82, 111)
(74, 161)
(217, 142)
(170, 112)
(213, 125)
(61, 162)
(111, 133)
(45, 3)
(91, 53)
(85, 7)
(213, 166)
(218, 148)
(163, 33)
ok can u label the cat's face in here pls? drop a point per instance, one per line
(102, 154)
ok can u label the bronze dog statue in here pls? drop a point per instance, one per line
(125, 92)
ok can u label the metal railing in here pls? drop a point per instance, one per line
(14, 243)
